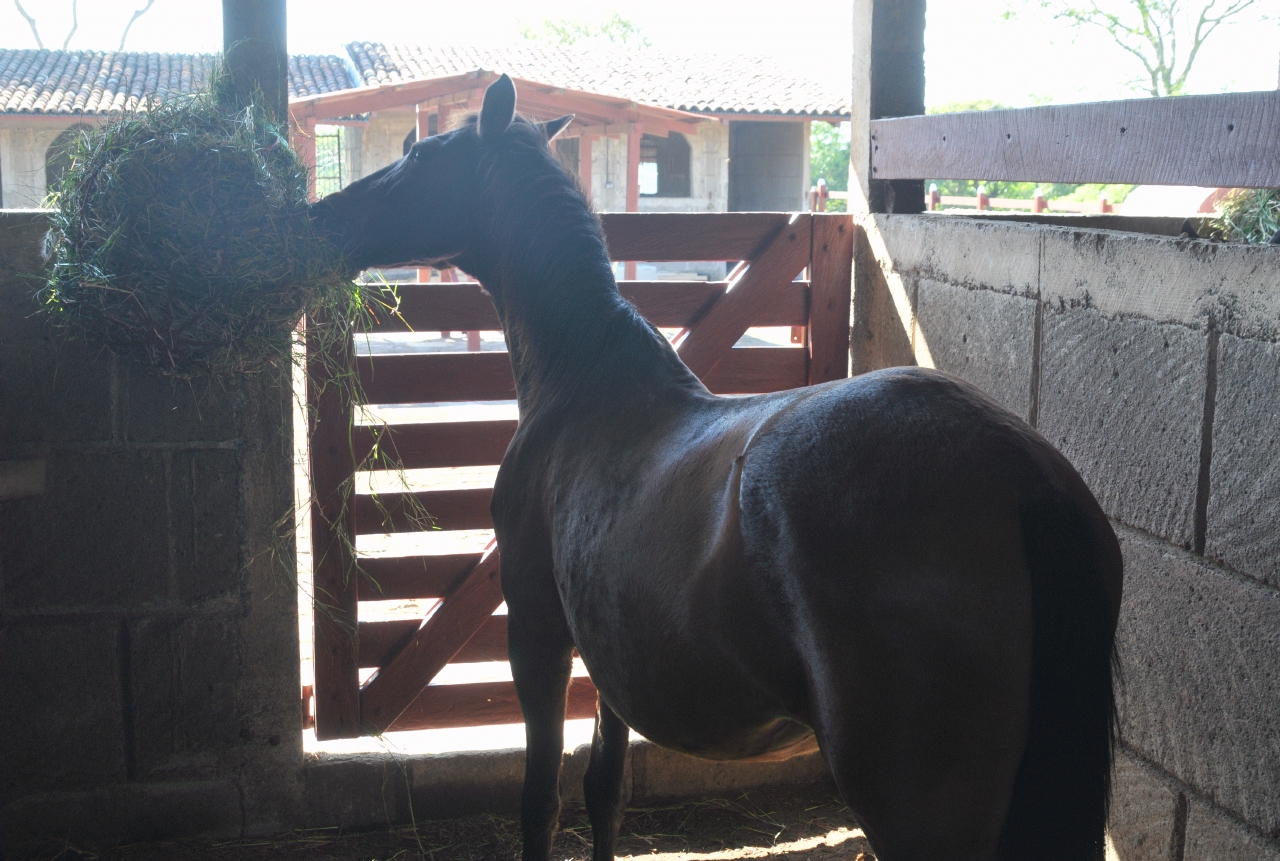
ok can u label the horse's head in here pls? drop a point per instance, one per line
(427, 208)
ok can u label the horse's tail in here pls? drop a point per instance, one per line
(1062, 790)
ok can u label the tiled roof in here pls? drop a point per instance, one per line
(98, 82)
(706, 82)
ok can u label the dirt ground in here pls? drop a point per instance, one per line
(795, 825)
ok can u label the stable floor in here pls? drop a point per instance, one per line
(791, 825)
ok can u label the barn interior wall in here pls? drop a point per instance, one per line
(147, 603)
(22, 158)
(1153, 363)
(379, 143)
(708, 174)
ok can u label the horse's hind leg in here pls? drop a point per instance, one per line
(541, 667)
(603, 785)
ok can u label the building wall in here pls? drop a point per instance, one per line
(708, 174)
(1153, 363)
(147, 600)
(768, 166)
(380, 143)
(23, 145)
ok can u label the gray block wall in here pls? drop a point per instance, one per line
(147, 602)
(767, 165)
(1154, 364)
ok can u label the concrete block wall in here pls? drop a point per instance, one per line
(1154, 364)
(147, 606)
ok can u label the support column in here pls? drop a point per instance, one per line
(255, 54)
(633, 182)
(424, 132)
(584, 165)
(302, 137)
(888, 81)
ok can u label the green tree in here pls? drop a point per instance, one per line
(1165, 36)
(614, 29)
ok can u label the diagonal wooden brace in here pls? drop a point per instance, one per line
(442, 635)
(709, 339)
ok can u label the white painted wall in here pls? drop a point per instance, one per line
(22, 155)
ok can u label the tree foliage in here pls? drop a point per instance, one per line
(1164, 36)
(614, 29)
(75, 23)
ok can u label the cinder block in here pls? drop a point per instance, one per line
(574, 769)
(1003, 257)
(1124, 401)
(1200, 656)
(1193, 283)
(1244, 497)
(661, 774)
(458, 784)
(205, 511)
(185, 688)
(981, 336)
(61, 707)
(355, 792)
(1214, 836)
(98, 537)
(1147, 813)
(53, 392)
(154, 408)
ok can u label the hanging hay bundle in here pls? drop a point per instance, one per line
(181, 237)
(1248, 215)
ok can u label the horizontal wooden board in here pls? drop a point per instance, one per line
(484, 704)
(670, 236)
(677, 304)
(448, 509)
(445, 307)
(427, 446)
(420, 378)
(1222, 140)
(755, 370)
(379, 641)
(388, 578)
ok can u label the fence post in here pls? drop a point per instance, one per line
(984, 202)
(822, 195)
(1104, 205)
(934, 197)
(1038, 203)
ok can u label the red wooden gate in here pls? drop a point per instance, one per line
(768, 251)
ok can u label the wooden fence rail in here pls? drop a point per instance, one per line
(787, 270)
(1226, 140)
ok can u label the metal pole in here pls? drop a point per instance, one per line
(255, 54)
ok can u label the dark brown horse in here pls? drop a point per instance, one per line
(892, 565)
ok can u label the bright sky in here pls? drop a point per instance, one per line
(971, 52)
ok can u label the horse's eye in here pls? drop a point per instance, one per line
(419, 154)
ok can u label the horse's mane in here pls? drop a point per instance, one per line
(551, 273)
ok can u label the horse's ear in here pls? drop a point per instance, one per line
(554, 127)
(499, 108)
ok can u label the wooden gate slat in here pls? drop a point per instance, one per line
(830, 296)
(380, 641)
(485, 704)
(398, 683)
(334, 590)
(390, 578)
(421, 378)
(710, 339)
(674, 236)
(755, 370)
(467, 508)
(443, 444)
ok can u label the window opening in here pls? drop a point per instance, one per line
(329, 146)
(664, 166)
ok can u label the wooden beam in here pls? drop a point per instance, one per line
(255, 53)
(663, 236)
(337, 680)
(434, 446)
(395, 686)
(302, 137)
(709, 341)
(419, 378)
(633, 183)
(484, 704)
(357, 100)
(1223, 140)
(830, 284)
(466, 508)
(404, 577)
(888, 81)
(585, 142)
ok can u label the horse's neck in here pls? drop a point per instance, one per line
(573, 339)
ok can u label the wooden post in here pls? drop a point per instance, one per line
(934, 197)
(1038, 203)
(1104, 204)
(984, 202)
(303, 140)
(584, 164)
(255, 54)
(888, 81)
(633, 182)
(423, 132)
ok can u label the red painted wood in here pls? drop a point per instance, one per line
(830, 292)
(394, 577)
(381, 641)
(439, 509)
(397, 684)
(663, 236)
(425, 446)
(426, 377)
(485, 704)
(754, 370)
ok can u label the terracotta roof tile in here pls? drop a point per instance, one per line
(103, 82)
(706, 82)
